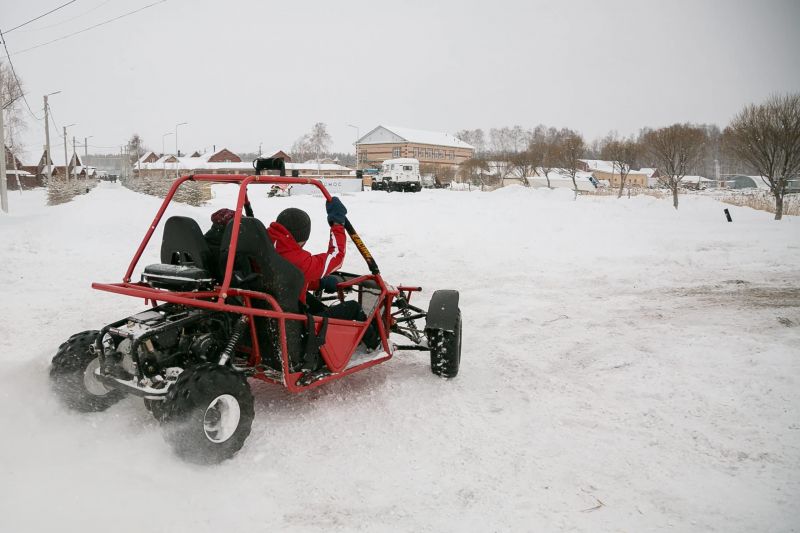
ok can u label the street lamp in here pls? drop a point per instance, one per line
(356, 143)
(66, 158)
(177, 163)
(49, 156)
(163, 151)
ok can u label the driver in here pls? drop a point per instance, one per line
(289, 233)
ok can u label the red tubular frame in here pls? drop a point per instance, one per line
(215, 300)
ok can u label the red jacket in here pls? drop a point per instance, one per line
(313, 267)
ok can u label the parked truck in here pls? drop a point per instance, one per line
(400, 174)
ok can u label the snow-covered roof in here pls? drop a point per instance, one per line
(202, 163)
(146, 155)
(695, 179)
(21, 173)
(393, 134)
(648, 171)
(608, 166)
(402, 161)
(599, 164)
(314, 166)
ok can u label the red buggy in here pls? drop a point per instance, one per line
(216, 320)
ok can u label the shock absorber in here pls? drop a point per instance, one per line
(238, 331)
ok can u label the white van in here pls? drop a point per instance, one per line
(398, 175)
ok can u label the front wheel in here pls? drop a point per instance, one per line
(72, 375)
(208, 413)
(445, 349)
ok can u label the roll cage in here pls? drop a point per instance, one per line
(342, 336)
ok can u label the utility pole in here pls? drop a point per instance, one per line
(3, 178)
(177, 153)
(164, 156)
(75, 155)
(66, 159)
(49, 161)
(356, 143)
(47, 141)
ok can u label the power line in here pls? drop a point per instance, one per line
(40, 16)
(59, 23)
(14, 72)
(17, 52)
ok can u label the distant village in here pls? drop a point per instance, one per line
(441, 156)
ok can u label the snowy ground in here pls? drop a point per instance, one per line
(626, 367)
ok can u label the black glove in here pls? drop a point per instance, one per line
(336, 211)
(328, 283)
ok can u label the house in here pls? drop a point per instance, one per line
(18, 175)
(696, 182)
(610, 172)
(432, 149)
(149, 157)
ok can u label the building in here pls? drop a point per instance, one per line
(610, 172)
(432, 149)
(17, 175)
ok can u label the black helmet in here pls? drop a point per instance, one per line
(297, 222)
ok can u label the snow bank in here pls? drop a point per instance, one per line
(625, 367)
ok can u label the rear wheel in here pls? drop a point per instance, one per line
(445, 350)
(72, 375)
(208, 413)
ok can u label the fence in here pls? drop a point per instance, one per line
(756, 199)
(60, 192)
(191, 192)
(761, 200)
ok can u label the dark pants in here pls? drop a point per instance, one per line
(349, 310)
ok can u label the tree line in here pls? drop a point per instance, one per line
(762, 139)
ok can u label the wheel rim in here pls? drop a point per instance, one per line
(90, 381)
(221, 418)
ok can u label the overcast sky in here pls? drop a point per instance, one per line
(244, 72)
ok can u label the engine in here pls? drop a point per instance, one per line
(162, 340)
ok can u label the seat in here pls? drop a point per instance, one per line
(186, 263)
(255, 254)
(184, 244)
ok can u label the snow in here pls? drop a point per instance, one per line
(626, 367)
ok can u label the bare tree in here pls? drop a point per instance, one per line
(13, 109)
(316, 142)
(319, 139)
(544, 144)
(474, 171)
(509, 140)
(623, 154)
(676, 150)
(569, 149)
(767, 136)
(525, 163)
(136, 148)
(473, 137)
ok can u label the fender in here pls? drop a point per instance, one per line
(442, 311)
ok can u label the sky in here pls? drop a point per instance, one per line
(245, 73)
